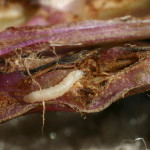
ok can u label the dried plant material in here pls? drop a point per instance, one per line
(55, 52)
(86, 33)
(109, 74)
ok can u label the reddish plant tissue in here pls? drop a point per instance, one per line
(38, 57)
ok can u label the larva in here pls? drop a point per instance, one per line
(56, 91)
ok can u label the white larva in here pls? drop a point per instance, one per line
(56, 91)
